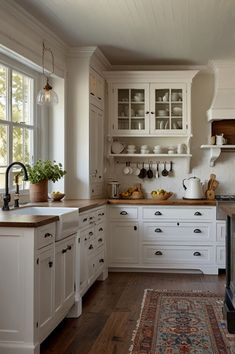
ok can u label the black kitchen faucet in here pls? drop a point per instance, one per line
(7, 196)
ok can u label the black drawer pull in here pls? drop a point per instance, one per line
(158, 253)
(90, 233)
(90, 247)
(158, 213)
(102, 214)
(69, 247)
(101, 229)
(85, 239)
(197, 213)
(147, 112)
(197, 231)
(91, 93)
(197, 254)
(123, 212)
(91, 217)
(158, 230)
(100, 240)
(101, 260)
(64, 250)
(85, 219)
(48, 235)
(99, 98)
(50, 264)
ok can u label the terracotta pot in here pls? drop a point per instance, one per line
(38, 192)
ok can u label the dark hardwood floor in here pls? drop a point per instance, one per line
(111, 309)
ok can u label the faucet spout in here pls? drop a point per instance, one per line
(7, 196)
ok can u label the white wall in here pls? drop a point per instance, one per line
(202, 93)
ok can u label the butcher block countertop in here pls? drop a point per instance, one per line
(9, 219)
(163, 202)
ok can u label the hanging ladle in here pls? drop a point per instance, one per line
(143, 172)
(164, 171)
(150, 172)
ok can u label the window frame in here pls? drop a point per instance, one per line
(13, 65)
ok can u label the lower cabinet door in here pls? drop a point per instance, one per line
(46, 266)
(64, 274)
(123, 243)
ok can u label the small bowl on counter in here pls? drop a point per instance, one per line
(56, 196)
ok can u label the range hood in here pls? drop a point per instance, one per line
(223, 103)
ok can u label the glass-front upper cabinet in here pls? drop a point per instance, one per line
(168, 109)
(130, 109)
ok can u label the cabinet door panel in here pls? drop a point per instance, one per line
(46, 290)
(69, 270)
(124, 243)
(59, 276)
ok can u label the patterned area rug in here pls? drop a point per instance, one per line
(177, 322)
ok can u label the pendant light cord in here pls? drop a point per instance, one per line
(45, 49)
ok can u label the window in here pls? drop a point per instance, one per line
(17, 119)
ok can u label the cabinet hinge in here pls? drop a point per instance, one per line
(37, 261)
(36, 324)
(135, 228)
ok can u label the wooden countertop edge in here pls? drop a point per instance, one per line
(26, 220)
(162, 202)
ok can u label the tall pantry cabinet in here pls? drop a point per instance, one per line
(85, 122)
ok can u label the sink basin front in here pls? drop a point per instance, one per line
(65, 226)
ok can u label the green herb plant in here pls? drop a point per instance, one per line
(45, 170)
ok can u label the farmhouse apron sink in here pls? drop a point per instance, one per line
(65, 226)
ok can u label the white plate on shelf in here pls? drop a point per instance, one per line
(117, 147)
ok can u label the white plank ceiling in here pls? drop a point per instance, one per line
(187, 32)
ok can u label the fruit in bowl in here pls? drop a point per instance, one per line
(161, 194)
(56, 196)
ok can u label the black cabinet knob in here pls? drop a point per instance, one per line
(158, 230)
(197, 231)
(123, 212)
(197, 213)
(50, 264)
(64, 250)
(48, 235)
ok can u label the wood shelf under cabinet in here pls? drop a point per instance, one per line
(215, 151)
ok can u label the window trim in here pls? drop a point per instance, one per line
(25, 70)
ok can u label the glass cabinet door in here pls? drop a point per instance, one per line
(131, 110)
(168, 110)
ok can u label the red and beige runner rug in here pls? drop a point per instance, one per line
(177, 322)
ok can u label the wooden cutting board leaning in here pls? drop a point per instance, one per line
(211, 187)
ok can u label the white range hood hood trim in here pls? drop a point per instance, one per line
(223, 103)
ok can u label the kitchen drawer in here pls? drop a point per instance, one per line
(45, 235)
(123, 213)
(179, 213)
(221, 255)
(220, 231)
(177, 254)
(87, 219)
(177, 231)
(95, 264)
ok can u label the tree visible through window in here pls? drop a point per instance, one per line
(17, 124)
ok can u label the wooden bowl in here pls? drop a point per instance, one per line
(162, 196)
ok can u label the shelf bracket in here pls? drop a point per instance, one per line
(214, 154)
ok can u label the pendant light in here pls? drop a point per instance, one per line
(47, 96)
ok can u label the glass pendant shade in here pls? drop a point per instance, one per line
(47, 96)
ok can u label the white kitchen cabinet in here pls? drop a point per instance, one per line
(93, 247)
(96, 153)
(150, 103)
(163, 237)
(45, 288)
(96, 89)
(123, 244)
(64, 275)
(220, 243)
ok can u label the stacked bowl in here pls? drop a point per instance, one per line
(144, 149)
(131, 149)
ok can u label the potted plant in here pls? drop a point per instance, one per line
(39, 174)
